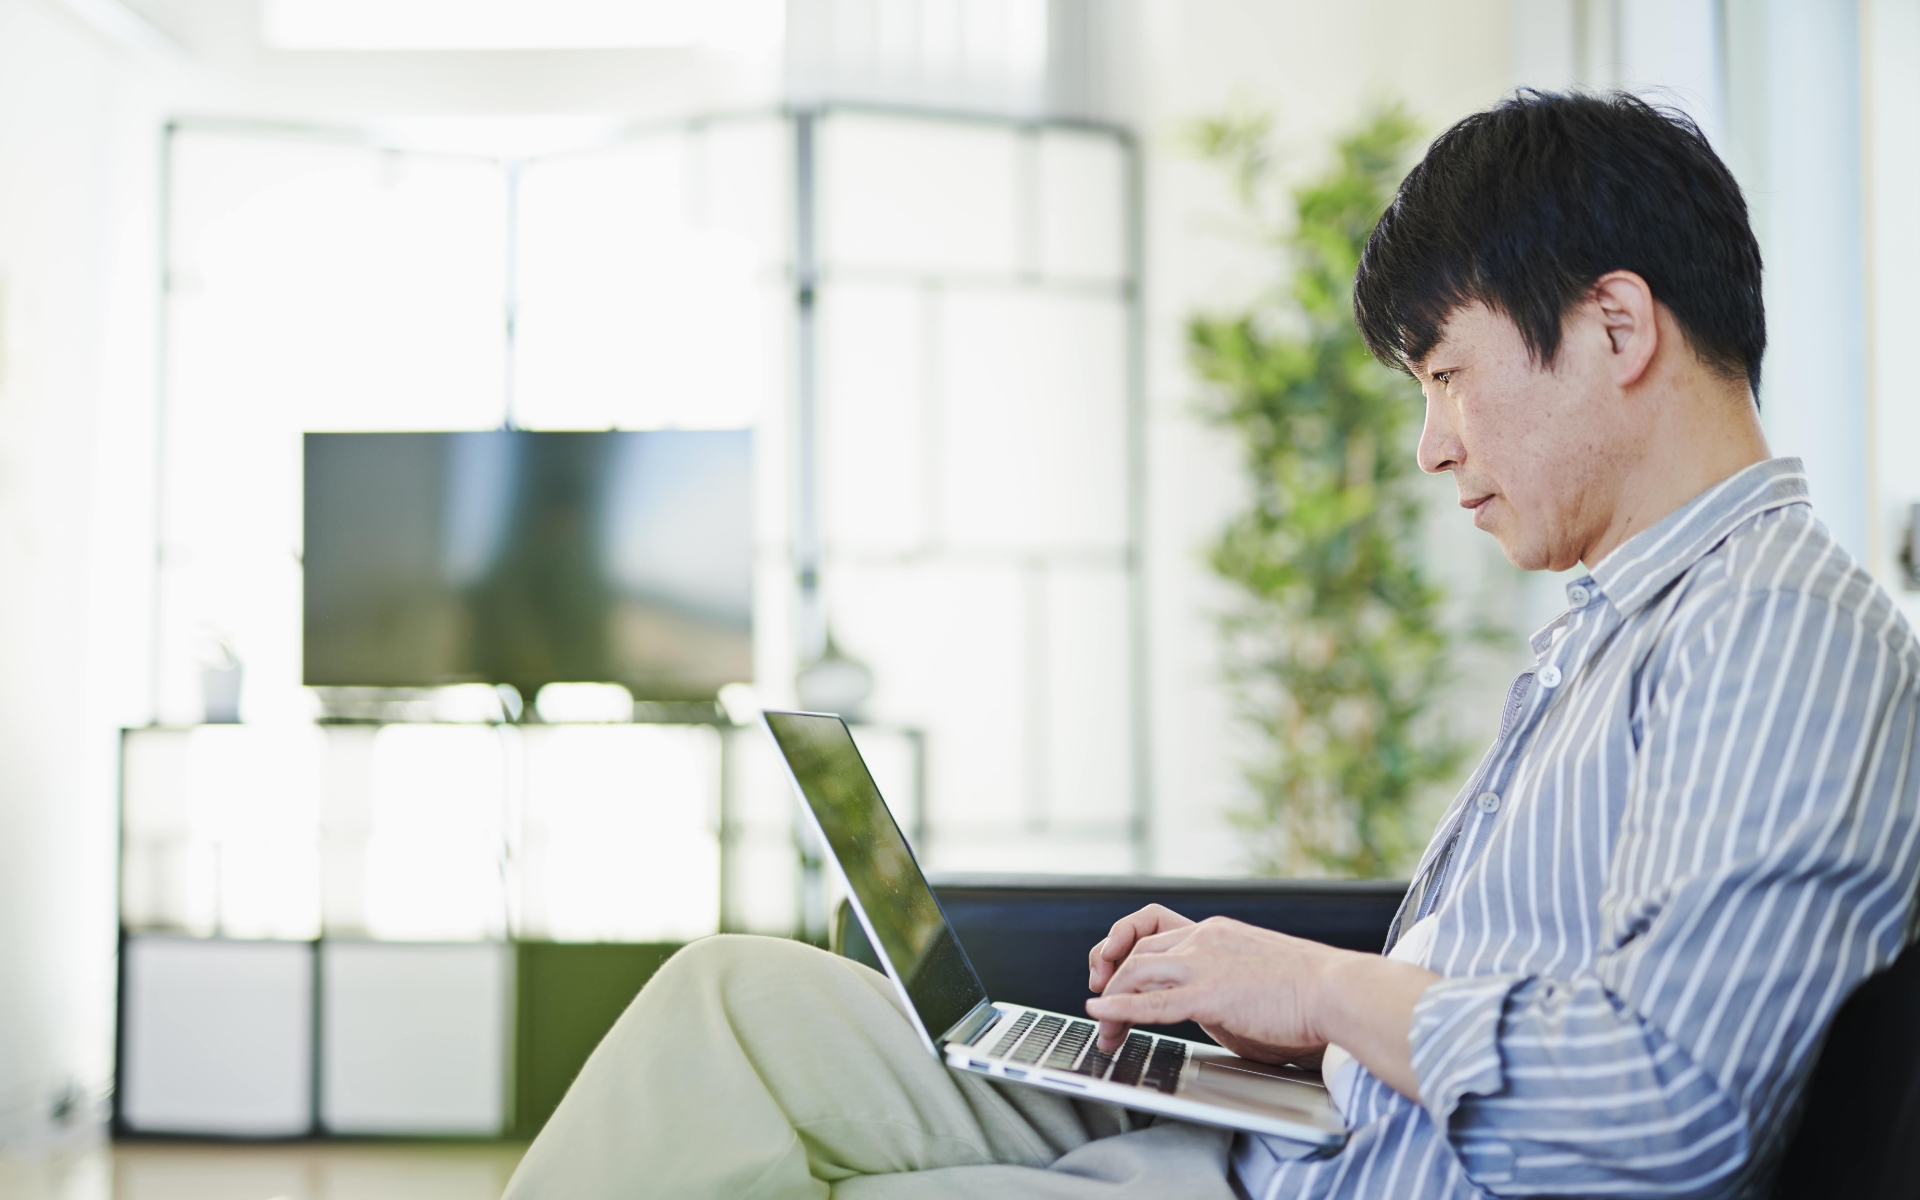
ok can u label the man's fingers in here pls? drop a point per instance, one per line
(1163, 941)
(1149, 972)
(1120, 940)
(1103, 963)
(1098, 968)
(1129, 929)
(1116, 1013)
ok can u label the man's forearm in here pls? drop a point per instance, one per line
(1365, 1005)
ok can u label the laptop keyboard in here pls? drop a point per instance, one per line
(1066, 1045)
(1012, 1036)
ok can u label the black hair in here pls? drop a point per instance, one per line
(1523, 207)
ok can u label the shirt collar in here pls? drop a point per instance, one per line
(1642, 566)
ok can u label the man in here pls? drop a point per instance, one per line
(1695, 833)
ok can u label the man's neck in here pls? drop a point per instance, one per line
(1697, 436)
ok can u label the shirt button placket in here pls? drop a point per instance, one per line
(1487, 802)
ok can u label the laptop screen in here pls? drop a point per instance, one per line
(911, 933)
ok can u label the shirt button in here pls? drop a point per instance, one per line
(1488, 802)
(1577, 595)
(1550, 676)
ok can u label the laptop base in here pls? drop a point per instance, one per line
(1209, 1085)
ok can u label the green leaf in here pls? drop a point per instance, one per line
(1337, 651)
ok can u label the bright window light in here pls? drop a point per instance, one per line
(222, 831)
(635, 311)
(597, 703)
(620, 833)
(971, 54)
(436, 847)
(473, 704)
(520, 24)
(495, 135)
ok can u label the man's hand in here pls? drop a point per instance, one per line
(1244, 985)
(1107, 954)
(1261, 994)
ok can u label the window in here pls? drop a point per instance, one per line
(976, 427)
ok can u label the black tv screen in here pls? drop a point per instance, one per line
(530, 558)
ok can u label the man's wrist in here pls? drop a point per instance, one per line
(1331, 1011)
(1363, 1003)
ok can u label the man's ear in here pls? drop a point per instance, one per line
(1625, 306)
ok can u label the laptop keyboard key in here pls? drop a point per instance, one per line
(1132, 1059)
(1066, 1052)
(1163, 1066)
(1036, 1043)
(1012, 1036)
(1095, 1063)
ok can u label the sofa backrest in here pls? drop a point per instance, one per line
(1859, 1134)
(1028, 935)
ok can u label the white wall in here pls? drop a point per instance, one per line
(1794, 125)
(78, 142)
(1890, 45)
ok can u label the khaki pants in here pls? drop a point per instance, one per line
(755, 1068)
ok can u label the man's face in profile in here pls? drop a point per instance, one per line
(1531, 449)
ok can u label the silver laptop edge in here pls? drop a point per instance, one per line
(1215, 1087)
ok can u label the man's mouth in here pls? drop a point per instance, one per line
(1474, 504)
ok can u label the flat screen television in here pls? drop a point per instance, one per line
(529, 558)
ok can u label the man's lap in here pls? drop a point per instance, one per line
(761, 1067)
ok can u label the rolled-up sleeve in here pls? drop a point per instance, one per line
(1758, 875)
(1456, 1040)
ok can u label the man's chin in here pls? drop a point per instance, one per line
(1527, 556)
(1522, 551)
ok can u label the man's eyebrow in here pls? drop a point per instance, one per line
(1437, 359)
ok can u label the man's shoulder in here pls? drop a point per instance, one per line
(1786, 555)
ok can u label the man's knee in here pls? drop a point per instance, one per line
(714, 963)
(722, 952)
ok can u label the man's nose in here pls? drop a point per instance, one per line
(1440, 448)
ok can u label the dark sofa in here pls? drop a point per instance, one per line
(1028, 937)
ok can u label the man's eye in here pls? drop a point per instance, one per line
(1442, 377)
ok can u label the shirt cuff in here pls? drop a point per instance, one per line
(1455, 1040)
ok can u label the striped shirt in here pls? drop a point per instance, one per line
(1697, 831)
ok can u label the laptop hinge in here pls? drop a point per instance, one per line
(968, 1027)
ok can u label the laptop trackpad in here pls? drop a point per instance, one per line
(1257, 1087)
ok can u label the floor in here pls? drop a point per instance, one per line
(301, 1171)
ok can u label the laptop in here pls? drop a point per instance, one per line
(956, 1020)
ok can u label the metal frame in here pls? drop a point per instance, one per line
(810, 556)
